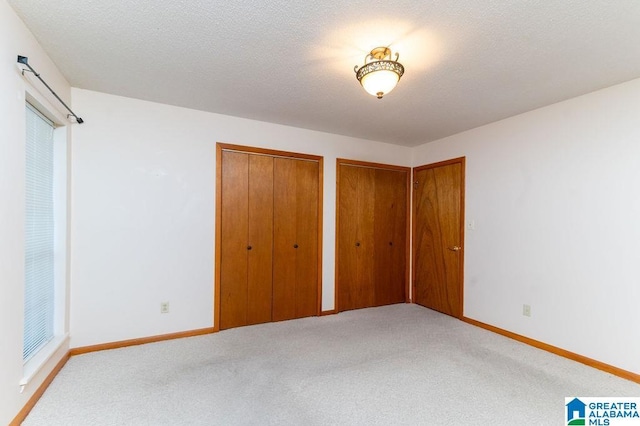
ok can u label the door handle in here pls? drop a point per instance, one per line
(295, 246)
(455, 248)
(358, 244)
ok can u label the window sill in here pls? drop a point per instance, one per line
(39, 360)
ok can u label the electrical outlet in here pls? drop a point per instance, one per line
(526, 310)
(164, 307)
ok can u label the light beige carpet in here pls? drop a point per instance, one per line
(394, 365)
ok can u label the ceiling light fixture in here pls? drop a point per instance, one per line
(379, 74)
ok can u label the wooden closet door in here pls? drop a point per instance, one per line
(260, 263)
(295, 262)
(390, 224)
(247, 239)
(356, 237)
(347, 235)
(284, 253)
(307, 195)
(234, 236)
(399, 251)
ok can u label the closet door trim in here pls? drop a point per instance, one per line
(366, 164)
(220, 147)
(358, 163)
(270, 152)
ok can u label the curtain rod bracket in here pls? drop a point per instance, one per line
(25, 61)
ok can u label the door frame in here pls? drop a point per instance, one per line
(220, 147)
(462, 162)
(366, 164)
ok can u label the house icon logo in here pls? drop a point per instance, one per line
(576, 412)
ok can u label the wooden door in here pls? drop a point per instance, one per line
(268, 235)
(307, 267)
(372, 232)
(234, 239)
(246, 239)
(260, 263)
(355, 237)
(390, 236)
(295, 266)
(439, 236)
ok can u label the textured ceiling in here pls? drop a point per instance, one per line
(467, 62)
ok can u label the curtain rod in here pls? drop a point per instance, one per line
(25, 61)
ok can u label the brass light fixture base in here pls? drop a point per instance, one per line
(380, 53)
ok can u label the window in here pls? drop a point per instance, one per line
(39, 233)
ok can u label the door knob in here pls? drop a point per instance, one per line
(249, 247)
(455, 248)
(295, 246)
(357, 244)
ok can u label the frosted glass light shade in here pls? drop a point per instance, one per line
(379, 74)
(379, 83)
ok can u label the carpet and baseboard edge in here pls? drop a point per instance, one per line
(139, 341)
(24, 412)
(558, 351)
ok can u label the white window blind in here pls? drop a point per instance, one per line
(39, 234)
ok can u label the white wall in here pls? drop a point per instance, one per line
(553, 193)
(143, 210)
(555, 196)
(15, 39)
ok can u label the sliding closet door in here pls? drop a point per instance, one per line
(268, 217)
(307, 267)
(234, 239)
(371, 234)
(355, 237)
(390, 236)
(246, 239)
(260, 265)
(295, 265)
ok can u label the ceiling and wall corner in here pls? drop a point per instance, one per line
(467, 63)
